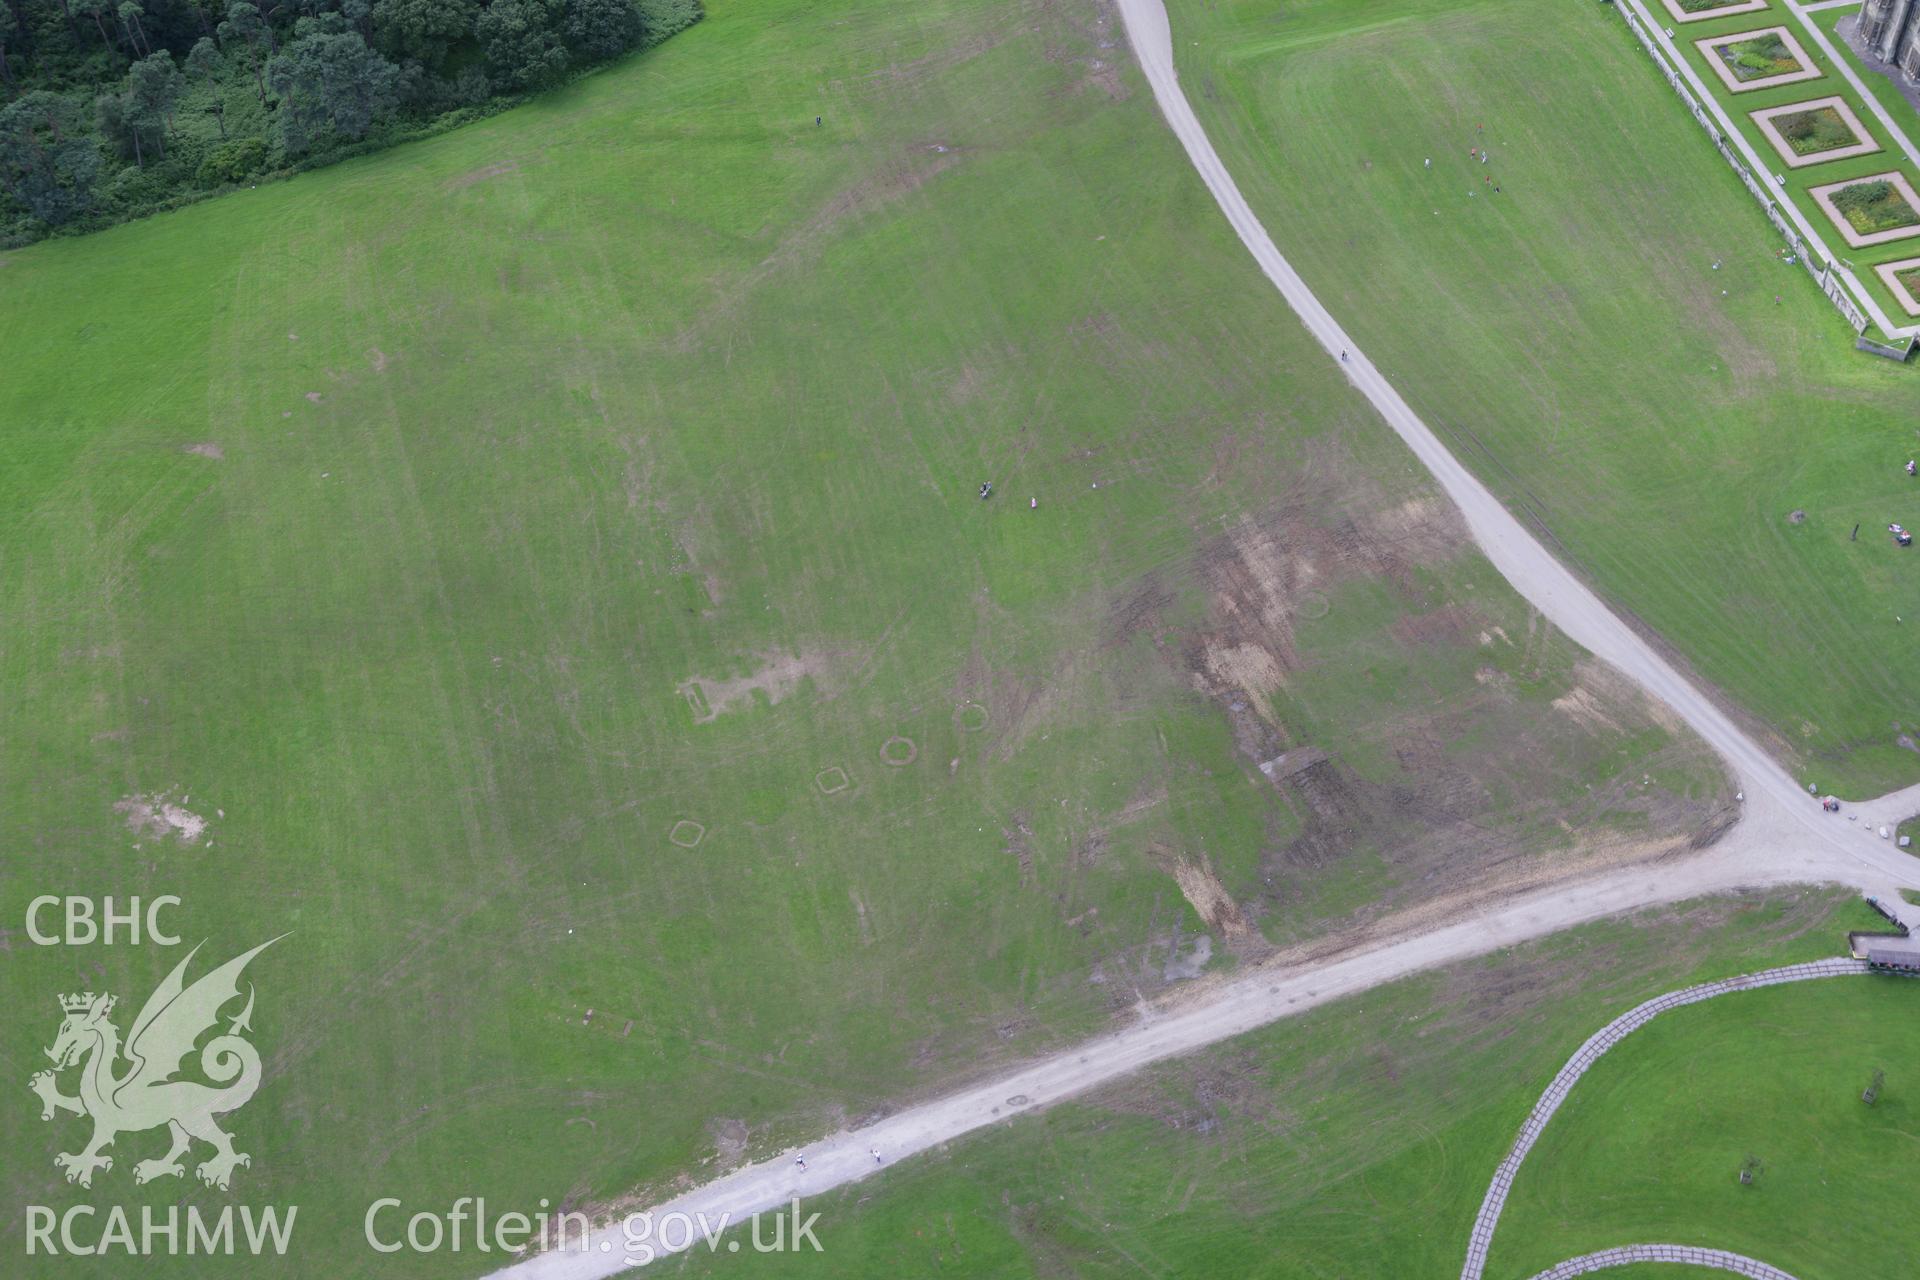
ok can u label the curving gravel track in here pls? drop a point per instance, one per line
(1686, 1255)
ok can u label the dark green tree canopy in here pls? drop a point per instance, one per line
(423, 30)
(47, 163)
(523, 41)
(330, 82)
(117, 107)
(600, 29)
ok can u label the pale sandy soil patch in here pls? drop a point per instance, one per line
(1207, 896)
(159, 817)
(776, 678)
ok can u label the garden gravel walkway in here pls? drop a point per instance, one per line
(1629, 1254)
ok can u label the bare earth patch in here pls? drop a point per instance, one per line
(1207, 896)
(1583, 708)
(1271, 570)
(1431, 822)
(893, 178)
(776, 678)
(1098, 60)
(484, 173)
(157, 817)
(729, 1141)
(207, 450)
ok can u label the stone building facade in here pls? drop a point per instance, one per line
(1890, 31)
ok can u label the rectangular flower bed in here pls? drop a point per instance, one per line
(1871, 210)
(1749, 60)
(1815, 132)
(1705, 10)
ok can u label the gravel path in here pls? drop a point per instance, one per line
(1628, 1254)
(1782, 838)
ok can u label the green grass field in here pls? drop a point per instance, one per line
(1660, 420)
(453, 527)
(1357, 1140)
(1650, 1144)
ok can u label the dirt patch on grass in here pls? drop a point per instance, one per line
(890, 181)
(1331, 806)
(1251, 669)
(967, 385)
(1254, 576)
(896, 178)
(1423, 528)
(1274, 570)
(1471, 786)
(207, 449)
(1017, 836)
(1206, 895)
(729, 1141)
(1584, 708)
(1094, 52)
(913, 71)
(1206, 1094)
(160, 818)
(1092, 848)
(1140, 608)
(1598, 686)
(1450, 624)
(483, 174)
(1017, 705)
(776, 678)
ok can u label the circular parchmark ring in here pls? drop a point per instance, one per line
(898, 751)
(687, 833)
(972, 717)
(1315, 605)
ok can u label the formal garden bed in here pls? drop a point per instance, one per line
(1705, 10)
(1873, 209)
(1815, 132)
(1749, 60)
(1903, 282)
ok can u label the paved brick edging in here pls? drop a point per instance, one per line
(1627, 1255)
(1597, 1044)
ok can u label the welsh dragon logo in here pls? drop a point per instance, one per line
(146, 1095)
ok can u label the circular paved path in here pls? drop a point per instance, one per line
(1684, 1254)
